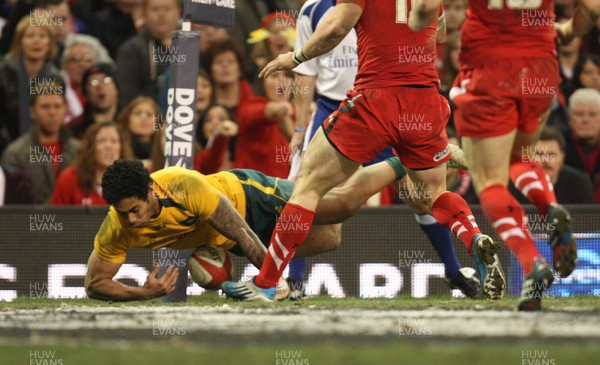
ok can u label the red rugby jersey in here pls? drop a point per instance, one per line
(507, 28)
(389, 52)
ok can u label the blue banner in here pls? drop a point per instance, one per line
(584, 280)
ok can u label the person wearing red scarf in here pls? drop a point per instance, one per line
(583, 143)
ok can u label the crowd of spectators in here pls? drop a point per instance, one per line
(81, 86)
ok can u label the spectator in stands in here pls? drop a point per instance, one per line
(16, 186)
(276, 35)
(117, 23)
(568, 55)
(102, 97)
(450, 62)
(62, 22)
(58, 15)
(550, 153)
(142, 59)
(455, 16)
(140, 120)
(204, 94)
(583, 145)
(455, 11)
(225, 63)
(215, 130)
(265, 127)
(209, 35)
(79, 184)
(19, 9)
(591, 41)
(28, 63)
(47, 148)
(81, 52)
(587, 73)
(249, 15)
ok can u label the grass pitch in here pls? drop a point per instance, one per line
(426, 353)
(260, 350)
(579, 303)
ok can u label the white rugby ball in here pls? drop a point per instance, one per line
(210, 266)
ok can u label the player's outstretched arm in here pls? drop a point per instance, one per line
(584, 19)
(333, 29)
(423, 13)
(440, 36)
(99, 283)
(228, 222)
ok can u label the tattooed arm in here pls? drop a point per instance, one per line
(227, 221)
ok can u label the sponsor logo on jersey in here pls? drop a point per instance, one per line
(440, 155)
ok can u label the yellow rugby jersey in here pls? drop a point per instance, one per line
(188, 200)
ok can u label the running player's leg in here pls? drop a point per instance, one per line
(527, 174)
(489, 162)
(488, 123)
(441, 240)
(323, 168)
(531, 180)
(298, 265)
(431, 185)
(341, 202)
(439, 236)
(450, 210)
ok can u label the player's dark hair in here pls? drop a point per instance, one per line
(125, 179)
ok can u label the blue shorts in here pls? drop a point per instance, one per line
(325, 107)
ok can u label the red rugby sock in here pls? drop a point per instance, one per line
(291, 230)
(508, 220)
(533, 182)
(453, 212)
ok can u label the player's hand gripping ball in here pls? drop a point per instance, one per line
(210, 266)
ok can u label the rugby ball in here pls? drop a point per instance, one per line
(210, 266)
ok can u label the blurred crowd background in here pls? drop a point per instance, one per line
(84, 82)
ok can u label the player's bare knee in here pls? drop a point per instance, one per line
(312, 184)
(417, 206)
